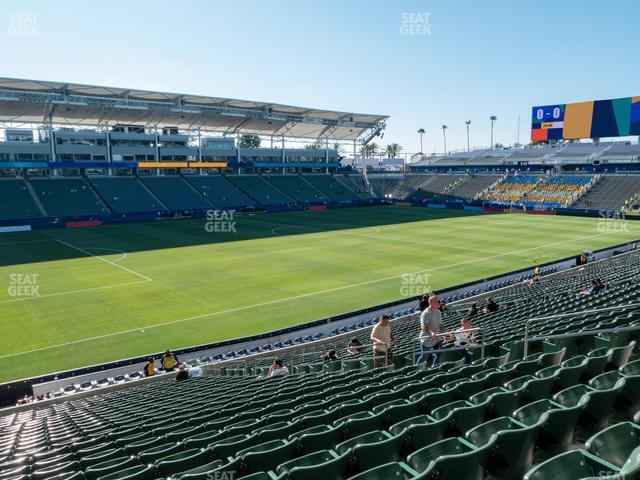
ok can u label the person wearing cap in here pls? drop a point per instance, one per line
(168, 361)
(149, 369)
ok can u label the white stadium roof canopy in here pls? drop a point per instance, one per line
(34, 101)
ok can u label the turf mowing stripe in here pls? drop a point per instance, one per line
(104, 260)
(280, 226)
(281, 300)
(69, 292)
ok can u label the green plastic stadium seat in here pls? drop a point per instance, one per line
(512, 446)
(138, 446)
(266, 456)
(138, 472)
(570, 466)
(369, 455)
(229, 446)
(619, 356)
(451, 458)
(204, 470)
(183, 460)
(310, 459)
(362, 423)
(154, 454)
(616, 443)
(68, 476)
(631, 368)
(316, 438)
(628, 402)
(204, 439)
(101, 456)
(558, 423)
(335, 469)
(110, 466)
(388, 471)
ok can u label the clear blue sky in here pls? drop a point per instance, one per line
(482, 57)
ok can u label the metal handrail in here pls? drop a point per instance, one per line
(451, 349)
(586, 332)
(568, 314)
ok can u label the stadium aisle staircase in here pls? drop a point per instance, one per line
(16, 201)
(175, 193)
(331, 187)
(568, 410)
(220, 192)
(262, 191)
(125, 195)
(67, 196)
(296, 188)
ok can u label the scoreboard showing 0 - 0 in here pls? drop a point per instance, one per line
(549, 118)
(619, 117)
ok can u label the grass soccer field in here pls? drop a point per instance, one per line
(75, 297)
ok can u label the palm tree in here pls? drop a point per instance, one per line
(493, 118)
(421, 131)
(369, 149)
(392, 150)
(444, 136)
(468, 122)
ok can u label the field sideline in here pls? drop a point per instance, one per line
(118, 291)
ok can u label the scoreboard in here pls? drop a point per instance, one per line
(618, 117)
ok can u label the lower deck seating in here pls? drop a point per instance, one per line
(220, 192)
(297, 188)
(175, 193)
(331, 187)
(16, 200)
(125, 195)
(67, 196)
(262, 191)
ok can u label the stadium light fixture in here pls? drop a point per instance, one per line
(421, 131)
(444, 136)
(468, 122)
(493, 118)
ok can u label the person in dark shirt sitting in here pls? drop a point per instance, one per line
(473, 311)
(183, 373)
(330, 356)
(491, 306)
(355, 346)
(423, 303)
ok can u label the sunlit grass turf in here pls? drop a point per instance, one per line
(118, 291)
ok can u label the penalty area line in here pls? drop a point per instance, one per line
(122, 267)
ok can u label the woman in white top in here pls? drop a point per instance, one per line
(463, 336)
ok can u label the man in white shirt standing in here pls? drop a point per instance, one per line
(430, 328)
(382, 338)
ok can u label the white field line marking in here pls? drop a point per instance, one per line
(122, 267)
(114, 250)
(69, 292)
(281, 300)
